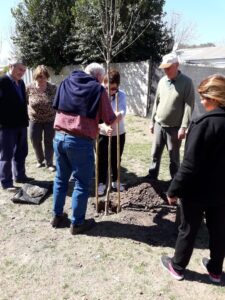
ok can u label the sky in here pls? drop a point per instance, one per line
(6, 27)
(207, 16)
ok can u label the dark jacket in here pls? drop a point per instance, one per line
(201, 177)
(79, 94)
(13, 111)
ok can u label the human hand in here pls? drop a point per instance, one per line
(172, 200)
(119, 116)
(108, 130)
(181, 133)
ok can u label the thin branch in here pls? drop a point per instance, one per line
(129, 29)
(101, 50)
(133, 41)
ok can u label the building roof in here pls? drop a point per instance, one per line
(213, 56)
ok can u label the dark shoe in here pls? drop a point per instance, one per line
(24, 180)
(57, 220)
(150, 177)
(214, 278)
(40, 165)
(87, 225)
(11, 189)
(167, 264)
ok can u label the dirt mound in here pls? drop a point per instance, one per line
(142, 197)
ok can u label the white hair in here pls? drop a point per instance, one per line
(15, 60)
(95, 70)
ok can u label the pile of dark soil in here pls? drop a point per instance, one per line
(143, 196)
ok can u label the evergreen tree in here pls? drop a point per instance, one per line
(131, 30)
(42, 31)
(61, 32)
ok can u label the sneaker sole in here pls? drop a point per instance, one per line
(214, 280)
(179, 278)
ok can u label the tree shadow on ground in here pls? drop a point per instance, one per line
(127, 178)
(130, 179)
(162, 233)
(202, 278)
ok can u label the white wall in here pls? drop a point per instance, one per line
(139, 81)
(134, 82)
(197, 74)
(28, 77)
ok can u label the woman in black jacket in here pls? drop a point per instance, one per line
(200, 184)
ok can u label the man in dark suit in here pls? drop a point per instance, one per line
(13, 127)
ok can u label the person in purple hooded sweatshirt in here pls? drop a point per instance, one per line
(81, 102)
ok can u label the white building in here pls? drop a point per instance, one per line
(208, 56)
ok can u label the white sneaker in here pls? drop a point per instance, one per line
(114, 186)
(40, 165)
(101, 189)
(51, 168)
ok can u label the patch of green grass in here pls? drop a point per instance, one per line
(137, 152)
(141, 268)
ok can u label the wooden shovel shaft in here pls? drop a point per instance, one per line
(109, 150)
(118, 155)
(96, 170)
(109, 176)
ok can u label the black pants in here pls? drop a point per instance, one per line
(36, 131)
(103, 156)
(191, 219)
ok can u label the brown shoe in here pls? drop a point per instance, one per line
(87, 225)
(57, 220)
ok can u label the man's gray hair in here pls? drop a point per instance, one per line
(95, 70)
(16, 60)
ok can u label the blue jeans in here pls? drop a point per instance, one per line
(73, 155)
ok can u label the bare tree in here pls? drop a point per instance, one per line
(112, 26)
(112, 43)
(114, 38)
(183, 32)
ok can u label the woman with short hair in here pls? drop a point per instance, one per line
(40, 96)
(105, 131)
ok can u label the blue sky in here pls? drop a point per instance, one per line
(6, 26)
(209, 17)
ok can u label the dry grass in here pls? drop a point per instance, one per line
(117, 260)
